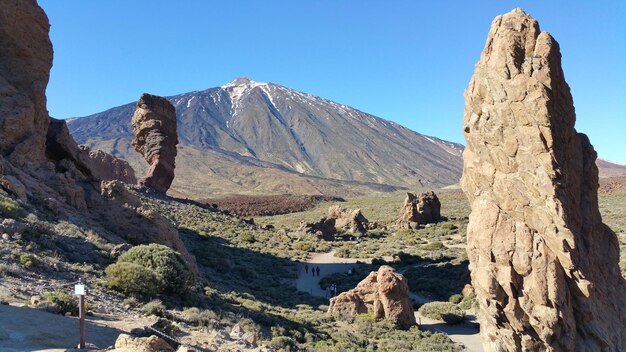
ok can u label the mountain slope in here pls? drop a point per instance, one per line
(269, 136)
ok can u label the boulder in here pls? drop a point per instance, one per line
(322, 229)
(14, 186)
(422, 209)
(25, 62)
(385, 293)
(128, 343)
(154, 126)
(350, 221)
(106, 167)
(544, 267)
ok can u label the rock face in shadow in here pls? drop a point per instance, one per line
(25, 62)
(544, 267)
(383, 292)
(106, 167)
(422, 209)
(154, 126)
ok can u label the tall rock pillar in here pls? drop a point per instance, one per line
(154, 126)
(544, 266)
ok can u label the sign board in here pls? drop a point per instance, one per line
(79, 289)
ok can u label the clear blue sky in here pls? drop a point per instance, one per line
(406, 61)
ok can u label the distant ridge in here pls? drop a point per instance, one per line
(248, 137)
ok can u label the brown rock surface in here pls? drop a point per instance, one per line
(385, 293)
(106, 167)
(25, 62)
(544, 267)
(422, 209)
(351, 221)
(127, 343)
(154, 126)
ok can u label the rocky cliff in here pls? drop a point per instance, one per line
(543, 264)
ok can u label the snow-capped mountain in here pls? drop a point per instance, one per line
(252, 137)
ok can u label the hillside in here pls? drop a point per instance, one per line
(248, 137)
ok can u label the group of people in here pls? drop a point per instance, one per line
(314, 270)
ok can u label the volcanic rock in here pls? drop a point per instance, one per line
(154, 126)
(25, 62)
(385, 293)
(351, 221)
(14, 186)
(544, 267)
(127, 343)
(422, 209)
(106, 167)
(322, 229)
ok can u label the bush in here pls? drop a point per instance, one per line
(61, 303)
(456, 298)
(282, 342)
(133, 278)
(446, 311)
(10, 208)
(304, 246)
(155, 307)
(165, 268)
(468, 301)
(29, 260)
(434, 246)
(246, 237)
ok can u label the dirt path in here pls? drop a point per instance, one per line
(27, 329)
(465, 334)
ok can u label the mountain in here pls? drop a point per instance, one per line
(248, 137)
(609, 169)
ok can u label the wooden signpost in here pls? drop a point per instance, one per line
(79, 290)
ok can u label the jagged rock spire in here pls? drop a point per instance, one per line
(544, 266)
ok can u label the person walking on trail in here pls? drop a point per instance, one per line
(313, 271)
(318, 271)
(306, 268)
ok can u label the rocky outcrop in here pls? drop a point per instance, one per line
(338, 219)
(25, 62)
(106, 167)
(128, 343)
(154, 126)
(544, 267)
(349, 221)
(385, 293)
(422, 209)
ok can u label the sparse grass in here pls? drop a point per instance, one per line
(446, 311)
(10, 208)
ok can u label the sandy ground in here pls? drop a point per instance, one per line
(25, 329)
(465, 334)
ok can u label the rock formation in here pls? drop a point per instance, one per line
(422, 209)
(106, 167)
(154, 126)
(350, 221)
(339, 218)
(385, 293)
(25, 62)
(544, 267)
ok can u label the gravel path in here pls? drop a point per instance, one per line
(465, 334)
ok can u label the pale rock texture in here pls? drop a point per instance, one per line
(422, 209)
(383, 292)
(351, 221)
(128, 343)
(106, 167)
(544, 267)
(154, 127)
(25, 62)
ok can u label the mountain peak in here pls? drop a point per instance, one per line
(239, 81)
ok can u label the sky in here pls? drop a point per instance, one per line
(403, 60)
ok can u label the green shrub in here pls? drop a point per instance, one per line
(29, 260)
(282, 342)
(449, 226)
(172, 273)
(304, 246)
(133, 278)
(468, 301)
(456, 298)
(446, 311)
(434, 246)
(246, 237)
(155, 307)
(61, 303)
(10, 208)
